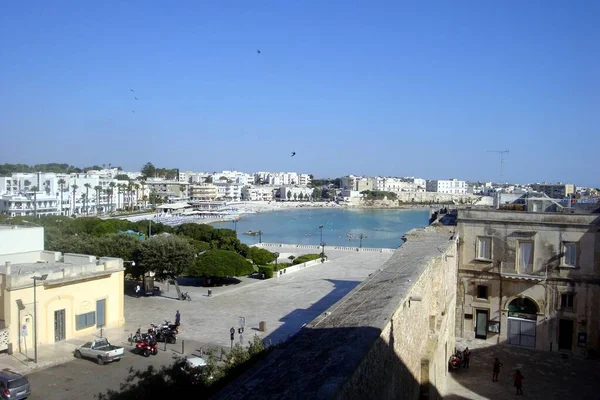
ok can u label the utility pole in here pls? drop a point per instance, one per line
(502, 153)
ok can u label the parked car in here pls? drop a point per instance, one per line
(100, 350)
(13, 386)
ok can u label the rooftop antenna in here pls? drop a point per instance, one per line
(502, 153)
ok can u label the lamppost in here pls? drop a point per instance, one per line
(322, 252)
(276, 258)
(35, 322)
(361, 237)
(321, 228)
(259, 236)
(235, 224)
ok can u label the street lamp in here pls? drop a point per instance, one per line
(321, 228)
(259, 236)
(35, 279)
(235, 224)
(276, 258)
(361, 237)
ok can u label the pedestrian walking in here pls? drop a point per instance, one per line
(466, 356)
(137, 290)
(177, 318)
(497, 365)
(519, 381)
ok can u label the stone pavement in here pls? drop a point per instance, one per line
(285, 304)
(547, 374)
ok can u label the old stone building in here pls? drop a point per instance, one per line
(529, 279)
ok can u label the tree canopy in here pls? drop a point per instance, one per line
(261, 256)
(220, 263)
(166, 256)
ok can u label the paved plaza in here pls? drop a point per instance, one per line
(285, 303)
(547, 374)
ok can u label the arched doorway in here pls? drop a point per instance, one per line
(522, 316)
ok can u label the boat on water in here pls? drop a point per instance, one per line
(252, 233)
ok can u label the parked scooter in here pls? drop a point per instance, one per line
(166, 335)
(136, 337)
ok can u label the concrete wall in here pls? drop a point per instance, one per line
(376, 342)
(20, 240)
(421, 334)
(404, 198)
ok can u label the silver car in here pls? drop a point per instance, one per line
(13, 386)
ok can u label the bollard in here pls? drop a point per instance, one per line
(209, 292)
(165, 349)
(182, 346)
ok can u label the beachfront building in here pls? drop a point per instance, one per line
(450, 186)
(281, 178)
(294, 193)
(358, 183)
(397, 185)
(29, 204)
(530, 279)
(556, 190)
(258, 193)
(88, 193)
(76, 294)
(237, 177)
(203, 192)
(229, 191)
(167, 190)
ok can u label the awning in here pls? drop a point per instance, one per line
(535, 278)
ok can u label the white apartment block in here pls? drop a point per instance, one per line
(258, 193)
(229, 191)
(241, 178)
(450, 186)
(30, 204)
(360, 183)
(293, 193)
(281, 178)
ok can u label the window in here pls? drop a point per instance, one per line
(570, 254)
(482, 292)
(484, 248)
(86, 320)
(525, 257)
(566, 301)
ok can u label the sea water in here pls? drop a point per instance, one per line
(341, 227)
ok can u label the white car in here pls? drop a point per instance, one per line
(195, 362)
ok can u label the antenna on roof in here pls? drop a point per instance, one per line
(502, 153)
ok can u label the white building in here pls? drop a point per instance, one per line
(258, 193)
(241, 178)
(281, 178)
(451, 186)
(29, 204)
(229, 191)
(294, 193)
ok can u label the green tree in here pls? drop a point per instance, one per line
(166, 256)
(98, 189)
(87, 198)
(201, 232)
(289, 194)
(261, 256)
(220, 263)
(148, 170)
(121, 177)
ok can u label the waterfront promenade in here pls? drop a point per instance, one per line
(285, 304)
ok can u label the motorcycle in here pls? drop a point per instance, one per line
(147, 345)
(166, 335)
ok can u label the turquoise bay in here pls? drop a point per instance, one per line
(341, 227)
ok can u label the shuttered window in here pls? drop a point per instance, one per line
(86, 320)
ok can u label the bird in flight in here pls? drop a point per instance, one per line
(133, 111)
(132, 91)
(258, 51)
(135, 97)
(293, 153)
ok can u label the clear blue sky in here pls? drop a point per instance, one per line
(377, 88)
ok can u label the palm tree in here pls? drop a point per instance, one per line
(98, 189)
(87, 198)
(74, 187)
(34, 189)
(130, 194)
(182, 189)
(111, 192)
(137, 195)
(144, 197)
(61, 183)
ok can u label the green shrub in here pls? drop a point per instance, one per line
(281, 266)
(267, 270)
(306, 257)
(220, 263)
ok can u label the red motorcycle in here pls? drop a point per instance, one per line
(146, 345)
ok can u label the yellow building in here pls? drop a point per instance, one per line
(76, 294)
